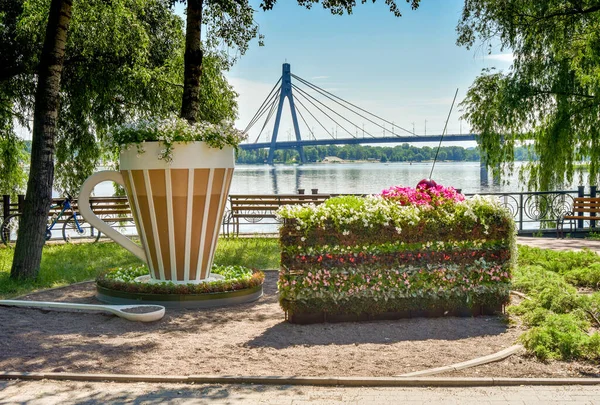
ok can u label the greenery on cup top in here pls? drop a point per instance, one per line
(235, 278)
(129, 274)
(171, 130)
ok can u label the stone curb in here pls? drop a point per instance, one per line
(501, 355)
(321, 381)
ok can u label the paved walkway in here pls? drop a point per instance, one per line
(560, 244)
(65, 393)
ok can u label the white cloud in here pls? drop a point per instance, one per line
(501, 57)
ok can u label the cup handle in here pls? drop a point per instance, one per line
(83, 203)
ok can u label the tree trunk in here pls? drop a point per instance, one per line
(190, 105)
(32, 229)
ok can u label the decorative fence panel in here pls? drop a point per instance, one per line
(533, 212)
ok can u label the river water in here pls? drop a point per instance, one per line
(362, 178)
(353, 178)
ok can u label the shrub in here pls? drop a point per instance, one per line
(559, 317)
(585, 276)
(561, 336)
(533, 278)
(558, 262)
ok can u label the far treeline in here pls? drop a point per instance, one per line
(399, 153)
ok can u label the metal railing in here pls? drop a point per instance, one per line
(533, 212)
(538, 211)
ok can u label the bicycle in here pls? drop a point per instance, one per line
(74, 225)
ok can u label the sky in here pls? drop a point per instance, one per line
(404, 69)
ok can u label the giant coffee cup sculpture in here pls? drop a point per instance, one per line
(177, 206)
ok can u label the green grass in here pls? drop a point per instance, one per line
(70, 263)
(256, 253)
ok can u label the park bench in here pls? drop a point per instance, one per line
(114, 210)
(254, 208)
(584, 209)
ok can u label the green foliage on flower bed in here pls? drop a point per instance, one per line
(560, 319)
(236, 278)
(405, 250)
(352, 220)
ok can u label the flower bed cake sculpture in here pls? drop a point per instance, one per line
(407, 252)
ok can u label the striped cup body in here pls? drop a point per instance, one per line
(178, 206)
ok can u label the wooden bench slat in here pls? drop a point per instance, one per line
(123, 219)
(112, 212)
(586, 209)
(275, 202)
(254, 216)
(596, 199)
(257, 207)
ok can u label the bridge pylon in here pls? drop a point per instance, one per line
(286, 91)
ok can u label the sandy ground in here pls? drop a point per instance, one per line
(253, 339)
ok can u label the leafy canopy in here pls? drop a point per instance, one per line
(550, 95)
(124, 61)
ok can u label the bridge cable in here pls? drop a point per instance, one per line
(305, 123)
(272, 101)
(332, 110)
(273, 104)
(306, 95)
(353, 105)
(324, 93)
(263, 108)
(315, 118)
(443, 132)
(267, 99)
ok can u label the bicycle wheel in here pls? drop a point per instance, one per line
(10, 228)
(85, 232)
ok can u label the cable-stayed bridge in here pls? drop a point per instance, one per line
(314, 104)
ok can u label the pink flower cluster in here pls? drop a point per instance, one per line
(432, 196)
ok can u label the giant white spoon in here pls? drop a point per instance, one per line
(141, 313)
